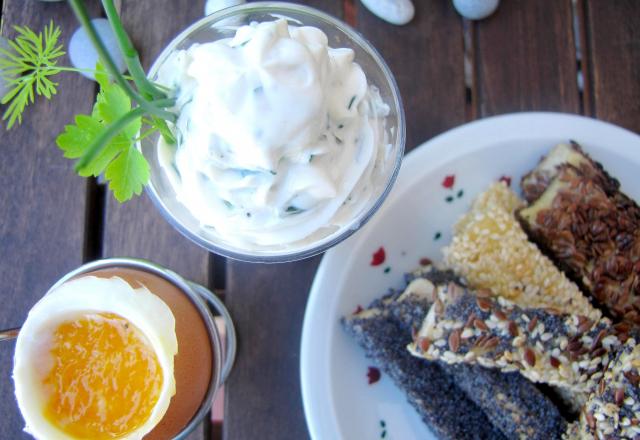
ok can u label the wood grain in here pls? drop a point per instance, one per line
(525, 58)
(613, 56)
(262, 395)
(427, 59)
(42, 201)
(136, 229)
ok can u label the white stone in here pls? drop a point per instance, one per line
(212, 6)
(84, 56)
(476, 9)
(394, 11)
(4, 88)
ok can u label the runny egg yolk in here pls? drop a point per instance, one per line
(105, 380)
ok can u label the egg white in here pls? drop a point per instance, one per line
(72, 300)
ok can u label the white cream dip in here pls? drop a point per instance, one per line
(279, 135)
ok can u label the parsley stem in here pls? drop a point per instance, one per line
(102, 140)
(130, 54)
(83, 17)
(145, 134)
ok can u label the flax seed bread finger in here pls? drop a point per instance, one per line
(595, 241)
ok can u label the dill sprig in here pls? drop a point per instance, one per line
(27, 68)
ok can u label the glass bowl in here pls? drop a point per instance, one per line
(223, 25)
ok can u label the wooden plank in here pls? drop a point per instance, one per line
(136, 228)
(613, 56)
(426, 58)
(42, 204)
(262, 395)
(267, 301)
(525, 58)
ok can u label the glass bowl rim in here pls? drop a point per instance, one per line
(357, 222)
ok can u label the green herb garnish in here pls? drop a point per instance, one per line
(124, 166)
(293, 210)
(353, 99)
(104, 141)
(27, 68)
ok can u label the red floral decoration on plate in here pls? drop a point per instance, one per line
(378, 257)
(373, 375)
(449, 181)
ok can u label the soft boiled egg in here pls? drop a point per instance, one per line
(94, 360)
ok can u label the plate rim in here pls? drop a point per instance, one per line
(528, 125)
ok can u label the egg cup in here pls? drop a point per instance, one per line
(177, 424)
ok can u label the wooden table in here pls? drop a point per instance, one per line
(521, 58)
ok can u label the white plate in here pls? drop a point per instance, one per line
(415, 222)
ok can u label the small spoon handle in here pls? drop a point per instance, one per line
(10, 333)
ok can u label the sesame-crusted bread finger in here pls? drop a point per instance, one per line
(432, 392)
(544, 345)
(492, 251)
(613, 410)
(592, 238)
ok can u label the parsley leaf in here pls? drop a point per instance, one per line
(127, 174)
(124, 166)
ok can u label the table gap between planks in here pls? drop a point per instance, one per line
(521, 58)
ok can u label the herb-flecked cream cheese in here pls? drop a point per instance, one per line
(279, 135)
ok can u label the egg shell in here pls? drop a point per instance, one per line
(396, 12)
(73, 300)
(476, 9)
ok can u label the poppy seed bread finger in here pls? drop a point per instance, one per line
(512, 403)
(432, 392)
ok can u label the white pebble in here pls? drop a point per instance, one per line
(4, 88)
(212, 6)
(475, 9)
(394, 11)
(84, 56)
